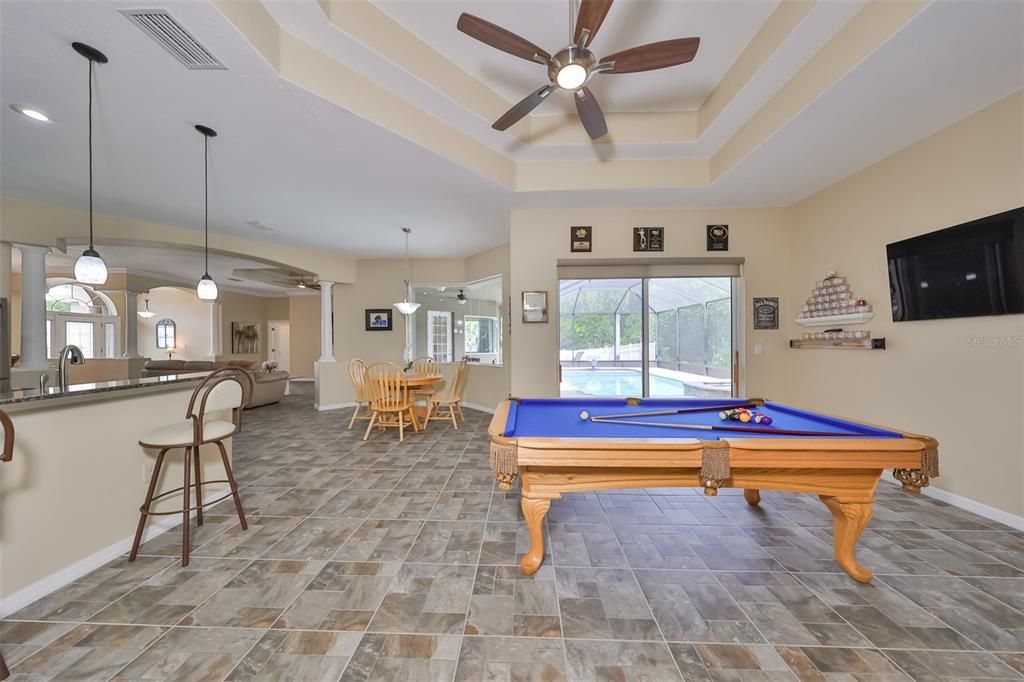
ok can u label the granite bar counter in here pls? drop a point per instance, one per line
(53, 396)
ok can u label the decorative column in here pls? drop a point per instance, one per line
(131, 325)
(33, 307)
(326, 322)
(5, 270)
(215, 331)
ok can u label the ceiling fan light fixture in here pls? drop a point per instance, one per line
(571, 76)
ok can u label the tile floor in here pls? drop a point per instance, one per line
(387, 561)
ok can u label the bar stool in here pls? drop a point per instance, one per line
(6, 455)
(229, 388)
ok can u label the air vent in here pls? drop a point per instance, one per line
(255, 224)
(172, 36)
(235, 279)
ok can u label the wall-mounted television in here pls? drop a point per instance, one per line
(967, 270)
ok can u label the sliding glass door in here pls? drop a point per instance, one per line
(690, 322)
(646, 336)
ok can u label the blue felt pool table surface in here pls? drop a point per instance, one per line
(559, 418)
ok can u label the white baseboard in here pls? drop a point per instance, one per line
(481, 408)
(966, 503)
(333, 406)
(69, 574)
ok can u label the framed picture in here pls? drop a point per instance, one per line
(245, 338)
(580, 238)
(535, 307)
(766, 313)
(648, 238)
(718, 237)
(378, 319)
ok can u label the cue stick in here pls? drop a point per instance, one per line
(682, 410)
(740, 429)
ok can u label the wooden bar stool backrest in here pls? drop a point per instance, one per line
(7, 454)
(389, 387)
(228, 388)
(425, 366)
(357, 373)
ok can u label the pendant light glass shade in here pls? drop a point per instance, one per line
(90, 268)
(405, 306)
(147, 313)
(206, 289)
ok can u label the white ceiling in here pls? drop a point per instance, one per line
(327, 179)
(724, 28)
(321, 176)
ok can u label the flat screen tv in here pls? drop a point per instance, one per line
(972, 269)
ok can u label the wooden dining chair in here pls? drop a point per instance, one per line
(450, 398)
(391, 401)
(357, 374)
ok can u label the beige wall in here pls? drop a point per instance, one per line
(304, 334)
(191, 324)
(930, 379)
(540, 239)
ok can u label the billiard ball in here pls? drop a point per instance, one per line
(584, 416)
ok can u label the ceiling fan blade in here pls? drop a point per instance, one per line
(525, 106)
(590, 17)
(590, 113)
(500, 38)
(654, 55)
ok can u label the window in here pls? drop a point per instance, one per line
(81, 334)
(165, 334)
(481, 334)
(439, 335)
(79, 315)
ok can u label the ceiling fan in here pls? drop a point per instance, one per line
(572, 67)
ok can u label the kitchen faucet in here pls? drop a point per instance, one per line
(74, 355)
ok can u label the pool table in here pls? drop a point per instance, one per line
(552, 450)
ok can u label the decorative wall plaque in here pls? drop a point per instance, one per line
(580, 238)
(766, 313)
(648, 238)
(718, 237)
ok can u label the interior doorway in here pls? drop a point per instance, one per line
(279, 349)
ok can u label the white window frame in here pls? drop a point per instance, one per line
(431, 336)
(57, 332)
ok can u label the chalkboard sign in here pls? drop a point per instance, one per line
(766, 313)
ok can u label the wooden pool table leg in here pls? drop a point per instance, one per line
(849, 520)
(534, 510)
(752, 496)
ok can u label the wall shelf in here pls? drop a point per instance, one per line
(835, 320)
(850, 344)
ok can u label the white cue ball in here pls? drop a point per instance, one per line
(584, 415)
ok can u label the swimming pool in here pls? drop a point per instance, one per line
(622, 382)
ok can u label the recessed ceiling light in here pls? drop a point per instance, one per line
(33, 114)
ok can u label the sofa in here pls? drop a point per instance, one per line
(159, 368)
(268, 387)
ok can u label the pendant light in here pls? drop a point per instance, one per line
(405, 306)
(206, 288)
(147, 313)
(461, 297)
(90, 268)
